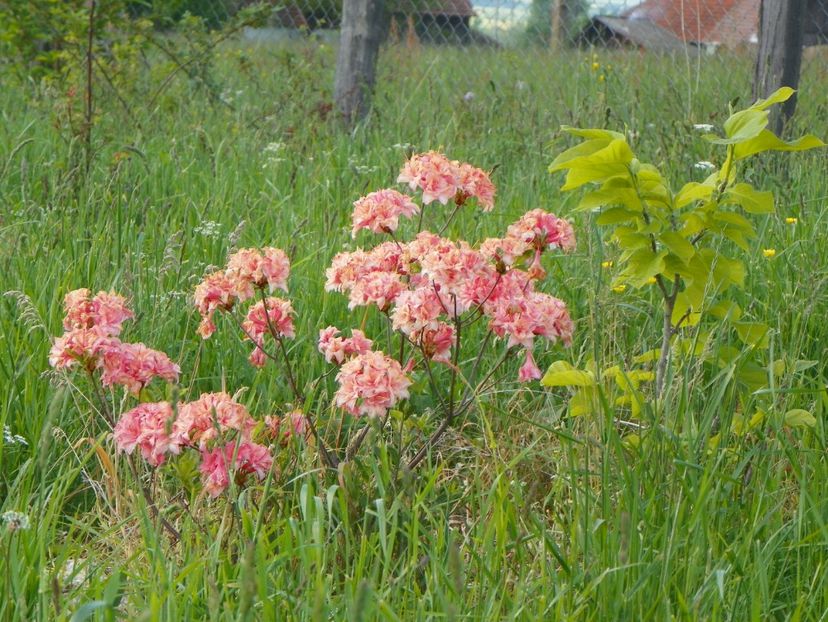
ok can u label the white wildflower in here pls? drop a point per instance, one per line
(703, 127)
(15, 521)
(704, 165)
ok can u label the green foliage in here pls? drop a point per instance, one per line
(677, 240)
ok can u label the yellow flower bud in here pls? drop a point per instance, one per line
(769, 252)
(619, 289)
(791, 221)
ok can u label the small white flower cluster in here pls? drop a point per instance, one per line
(272, 151)
(362, 169)
(15, 521)
(702, 127)
(704, 165)
(208, 229)
(13, 439)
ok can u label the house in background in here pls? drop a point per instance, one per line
(714, 23)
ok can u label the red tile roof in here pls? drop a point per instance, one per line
(710, 21)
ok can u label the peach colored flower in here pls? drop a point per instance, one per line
(216, 291)
(247, 458)
(258, 324)
(84, 346)
(434, 174)
(134, 365)
(248, 268)
(106, 311)
(377, 288)
(476, 183)
(150, 428)
(437, 342)
(380, 211)
(416, 309)
(338, 349)
(212, 414)
(370, 384)
(529, 370)
(543, 230)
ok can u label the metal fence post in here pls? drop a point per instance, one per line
(361, 33)
(781, 24)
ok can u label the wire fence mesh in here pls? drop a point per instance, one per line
(702, 35)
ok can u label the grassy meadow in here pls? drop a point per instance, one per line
(521, 512)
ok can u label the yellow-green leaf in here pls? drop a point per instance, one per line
(753, 333)
(750, 199)
(678, 245)
(693, 191)
(799, 418)
(563, 374)
(768, 141)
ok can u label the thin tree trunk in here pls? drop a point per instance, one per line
(781, 24)
(356, 65)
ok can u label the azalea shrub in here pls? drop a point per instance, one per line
(456, 313)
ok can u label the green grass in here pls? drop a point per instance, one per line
(521, 512)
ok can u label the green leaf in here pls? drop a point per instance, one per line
(684, 311)
(615, 215)
(642, 265)
(726, 309)
(753, 333)
(649, 356)
(751, 200)
(563, 374)
(768, 141)
(678, 244)
(742, 126)
(693, 191)
(799, 418)
(782, 94)
(583, 402)
(592, 133)
(608, 162)
(630, 239)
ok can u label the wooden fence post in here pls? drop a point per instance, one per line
(362, 30)
(781, 24)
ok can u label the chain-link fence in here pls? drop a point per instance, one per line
(651, 25)
(710, 32)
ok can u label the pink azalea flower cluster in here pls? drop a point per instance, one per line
(293, 423)
(370, 383)
(427, 284)
(158, 430)
(270, 314)
(339, 349)
(247, 269)
(444, 180)
(92, 325)
(380, 211)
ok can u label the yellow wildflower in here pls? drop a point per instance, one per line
(619, 289)
(606, 264)
(791, 220)
(769, 252)
(651, 281)
(596, 66)
(601, 78)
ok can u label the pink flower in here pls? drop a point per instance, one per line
(416, 309)
(521, 318)
(337, 349)
(84, 346)
(248, 268)
(134, 365)
(146, 427)
(380, 211)
(106, 311)
(347, 269)
(529, 370)
(437, 342)
(279, 316)
(377, 288)
(434, 174)
(247, 458)
(216, 291)
(476, 183)
(211, 414)
(542, 230)
(370, 384)
(293, 423)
